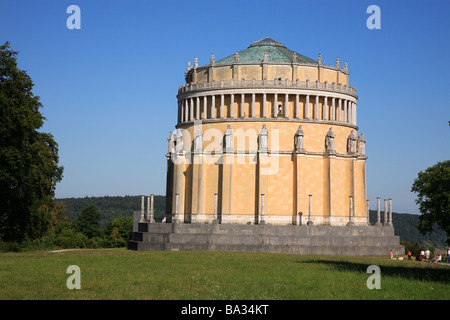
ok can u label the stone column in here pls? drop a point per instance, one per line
(345, 111)
(264, 106)
(175, 218)
(262, 220)
(215, 217)
(205, 110)
(197, 109)
(297, 113)
(275, 105)
(316, 109)
(253, 106)
(213, 107)
(354, 113)
(310, 222)
(306, 116)
(191, 109)
(325, 108)
(142, 220)
(333, 109)
(350, 214)
(151, 219)
(242, 105)
(367, 212)
(286, 106)
(385, 222)
(222, 102)
(340, 110)
(378, 223)
(186, 110)
(232, 106)
(390, 213)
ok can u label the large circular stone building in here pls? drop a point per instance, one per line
(267, 136)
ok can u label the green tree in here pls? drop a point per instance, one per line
(433, 197)
(88, 221)
(118, 231)
(29, 167)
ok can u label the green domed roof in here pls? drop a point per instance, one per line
(276, 52)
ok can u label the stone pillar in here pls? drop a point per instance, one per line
(191, 109)
(222, 102)
(367, 212)
(310, 222)
(262, 220)
(232, 106)
(151, 219)
(340, 110)
(205, 110)
(350, 214)
(354, 113)
(213, 107)
(385, 222)
(316, 109)
(333, 109)
(345, 111)
(297, 111)
(253, 106)
(186, 110)
(275, 105)
(325, 108)
(390, 213)
(286, 106)
(142, 220)
(197, 109)
(378, 223)
(175, 218)
(264, 115)
(306, 115)
(215, 217)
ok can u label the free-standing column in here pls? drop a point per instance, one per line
(385, 222)
(142, 220)
(310, 222)
(197, 109)
(345, 111)
(325, 108)
(378, 223)
(186, 110)
(191, 109)
(262, 220)
(390, 212)
(297, 113)
(151, 219)
(367, 212)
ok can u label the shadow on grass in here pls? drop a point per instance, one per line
(413, 273)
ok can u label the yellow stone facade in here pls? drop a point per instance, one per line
(219, 169)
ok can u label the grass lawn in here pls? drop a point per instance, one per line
(124, 274)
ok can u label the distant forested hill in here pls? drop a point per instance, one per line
(405, 227)
(115, 207)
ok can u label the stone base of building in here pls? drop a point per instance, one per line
(300, 239)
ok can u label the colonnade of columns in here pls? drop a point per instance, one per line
(315, 107)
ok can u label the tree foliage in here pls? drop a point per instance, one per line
(29, 167)
(88, 221)
(433, 197)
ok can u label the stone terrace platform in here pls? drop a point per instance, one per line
(314, 240)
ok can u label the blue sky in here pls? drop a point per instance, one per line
(109, 89)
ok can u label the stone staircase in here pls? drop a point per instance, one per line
(314, 240)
